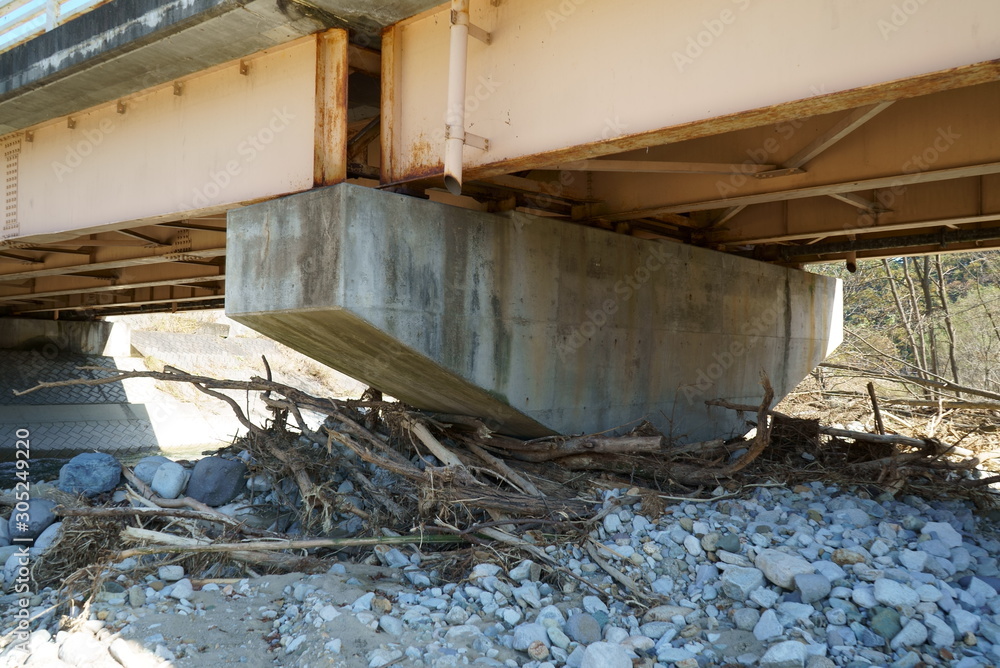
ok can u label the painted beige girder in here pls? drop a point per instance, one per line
(124, 204)
(593, 78)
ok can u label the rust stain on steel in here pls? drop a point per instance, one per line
(390, 86)
(935, 82)
(332, 69)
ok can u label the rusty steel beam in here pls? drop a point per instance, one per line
(330, 144)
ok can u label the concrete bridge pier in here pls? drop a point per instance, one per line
(52, 337)
(537, 325)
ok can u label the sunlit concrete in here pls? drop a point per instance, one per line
(537, 325)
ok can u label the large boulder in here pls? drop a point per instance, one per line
(216, 481)
(169, 480)
(146, 467)
(90, 474)
(39, 517)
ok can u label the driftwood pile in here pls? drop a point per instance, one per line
(457, 485)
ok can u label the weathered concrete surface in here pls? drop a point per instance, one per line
(126, 46)
(538, 325)
(51, 337)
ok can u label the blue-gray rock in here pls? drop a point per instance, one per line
(670, 654)
(764, 597)
(169, 480)
(994, 582)
(4, 534)
(788, 654)
(583, 628)
(738, 582)
(729, 543)
(840, 635)
(216, 481)
(525, 634)
(663, 586)
(812, 587)
(908, 660)
(746, 618)
(915, 560)
(90, 474)
(39, 517)
(939, 633)
(855, 516)
(391, 625)
(606, 655)
(768, 626)
(655, 630)
(895, 594)
(146, 467)
(913, 634)
(964, 621)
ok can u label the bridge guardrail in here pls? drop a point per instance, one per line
(21, 20)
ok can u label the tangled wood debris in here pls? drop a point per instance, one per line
(447, 483)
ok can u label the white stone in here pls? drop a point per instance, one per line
(788, 654)
(593, 604)
(171, 573)
(944, 532)
(914, 560)
(964, 621)
(606, 655)
(781, 568)
(895, 594)
(941, 635)
(181, 589)
(768, 626)
(913, 634)
(45, 539)
(391, 625)
(329, 613)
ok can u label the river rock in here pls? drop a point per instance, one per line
(39, 518)
(169, 480)
(788, 654)
(146, 467)
(216, 481)
(90, 474)
(781, 568)
(606, 655)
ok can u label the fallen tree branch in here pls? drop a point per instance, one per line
(170, 543)
(941, 384)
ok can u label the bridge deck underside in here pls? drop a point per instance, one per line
(899, 157)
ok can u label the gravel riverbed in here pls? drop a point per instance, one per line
(813, 576)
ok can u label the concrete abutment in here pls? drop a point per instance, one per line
(536, 325)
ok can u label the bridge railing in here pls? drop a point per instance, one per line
(21, 20)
